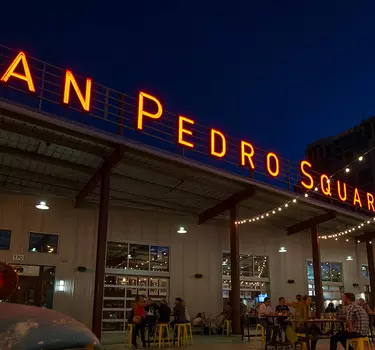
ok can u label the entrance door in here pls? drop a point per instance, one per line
(36, 286)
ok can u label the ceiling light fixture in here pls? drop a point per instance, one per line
(282, 250)
(42, 206)
(181, 230)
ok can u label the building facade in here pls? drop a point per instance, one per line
(146, 255)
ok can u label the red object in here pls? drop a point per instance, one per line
(139, 310)
(8, 280)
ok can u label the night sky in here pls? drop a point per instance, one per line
(281, 74)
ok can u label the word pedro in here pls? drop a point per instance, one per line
(185, 132)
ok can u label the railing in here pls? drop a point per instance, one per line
(116, 112)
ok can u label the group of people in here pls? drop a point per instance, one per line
(148, 312)
(357, 320)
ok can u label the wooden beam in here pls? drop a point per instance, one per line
(105, 176)
(313, 222)
(371, 271)
(317, 271)
(235, 271)
(226, 204)
(367, 236)
(113, 159)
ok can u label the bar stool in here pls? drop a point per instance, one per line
(129, 333)
(359, 343)
(182, 333)
(159, 336)
(189, 331)
(261, 328)
(227, 327)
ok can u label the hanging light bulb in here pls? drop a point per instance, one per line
(306, 195)
(347, 170)
(294, 200)
(316, 188)
(360, 158)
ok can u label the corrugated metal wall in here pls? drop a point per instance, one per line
(199, 251)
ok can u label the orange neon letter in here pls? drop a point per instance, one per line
(141, 112)
(310, 185)
(182, 131)
(275, 172)
(70, 80)
(370, 202)
(10, 72)
(215, 153)
(342, 197)
(247, 152)
(357, 198)
(325, 185)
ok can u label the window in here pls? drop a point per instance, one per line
(5, 239)
(364, 270)
(159, 258)
(129, 256)
(139, 257)
(250, 266)
(43, 243)
(331, 271)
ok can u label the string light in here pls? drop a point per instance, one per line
(348, 230)
(306, 195)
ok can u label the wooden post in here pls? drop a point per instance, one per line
(317, 271)
(235, 271)
(371, 271)
(101, 252)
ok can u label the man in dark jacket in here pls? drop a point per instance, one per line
(178, 312)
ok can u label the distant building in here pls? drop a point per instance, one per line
(333, 153)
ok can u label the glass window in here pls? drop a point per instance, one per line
(226, 264)
(43, 243)
(246, 265)
(113, 326)
(364, 270)
(261, 266)
(113, 315)
(326, 275)
(310, 270)
(159, 258)
(139, 256)
(4, 239)
(113, 304)
(336, 275)
(114, 292)
(115, 280)
(117, 255)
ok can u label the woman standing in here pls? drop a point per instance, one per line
(139, 320)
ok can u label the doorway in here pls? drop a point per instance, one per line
(36, 286)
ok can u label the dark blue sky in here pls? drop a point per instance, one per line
(281, 74)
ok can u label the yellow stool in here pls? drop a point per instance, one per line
(129, 333)
(182, 333)
(261, 328)
(227, 327)
(358, 343)
(159, 338)
(303, 341)
(189, 331)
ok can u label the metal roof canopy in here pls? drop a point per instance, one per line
(44, 155)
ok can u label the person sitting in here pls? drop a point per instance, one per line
(197, 320)
(179, 312)
(330, 309)
(164, 312)
(266, 320)
(357, 323)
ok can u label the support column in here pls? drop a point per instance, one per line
(235, 271)
(317, 270)
(101, 252)
(371, 271)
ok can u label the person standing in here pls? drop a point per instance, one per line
(139, 320)
(357, 323)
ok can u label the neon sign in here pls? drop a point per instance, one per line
(150, 110)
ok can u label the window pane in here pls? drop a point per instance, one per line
(246, 266)
(326, 275)
(310, 270)
(113, 315)
(226, 264)
(336, 272)
(4, 239)
(43, 243)
(261, 266)
(113, 304)
(117, 255)
(113, 326)
(114, 292)
(159, 258)
(139, 255)
(364, 269)
(115, 280)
